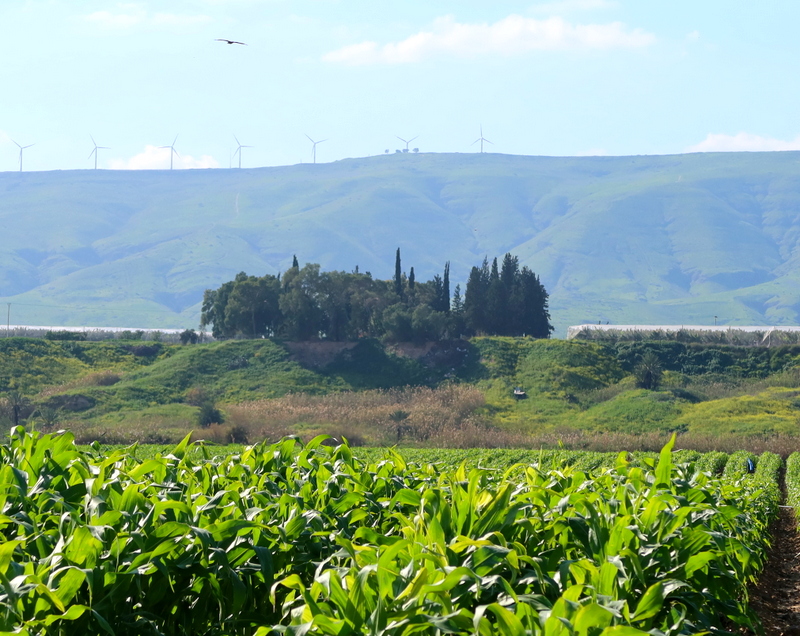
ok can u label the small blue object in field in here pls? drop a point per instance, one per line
(751, 467)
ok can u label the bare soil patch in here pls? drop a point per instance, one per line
(776, 597)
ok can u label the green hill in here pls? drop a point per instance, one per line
(660, 240)
(451, 393)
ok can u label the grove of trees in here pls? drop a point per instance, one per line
(305, 303)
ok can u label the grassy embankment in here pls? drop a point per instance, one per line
(462, 392)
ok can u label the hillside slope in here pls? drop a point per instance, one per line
(665, 239)
(454, 392)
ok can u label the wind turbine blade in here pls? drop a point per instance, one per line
(474, 142)
(488, 142)
(237, 141)
(176, 139)
(91, 153)
(28, 146)
(311, 140)
(93, 141)
(403, 140)
(319, 142)
(412, 139)
(104, 147)
(176, 152)
(18, 146)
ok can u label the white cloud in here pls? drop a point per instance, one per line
(743, 142)
(131, 15)
(155, 158)
(513, 35)
(5, 138)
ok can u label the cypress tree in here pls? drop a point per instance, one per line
(446, 288)
(294, 262)
(475, 297)
(411, 280)
(458, 301)
(398, 275)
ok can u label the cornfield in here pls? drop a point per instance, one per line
(293, 538)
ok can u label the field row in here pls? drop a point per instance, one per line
(308, 539)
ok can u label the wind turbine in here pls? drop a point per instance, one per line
(406, 141)
(94, 152)
(314, 148)
(172, 151)
(21, 148)
(239, 151)
(481, 139)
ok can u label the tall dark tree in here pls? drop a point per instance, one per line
(411, 280)
(497, 304)
(530, 313)
(506, 301)
(437, 289)
(475, 298)
(446, 289)
(294, 262)
(458, 302)
(398, 275)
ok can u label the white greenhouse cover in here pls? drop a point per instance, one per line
(573, 331)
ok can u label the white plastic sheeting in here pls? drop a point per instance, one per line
(572, 332)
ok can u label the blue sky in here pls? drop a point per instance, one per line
(569, 77)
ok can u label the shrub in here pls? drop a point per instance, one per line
(189, 336)
(209, 414)
(648, 372)
(65, 335)
(196, 396)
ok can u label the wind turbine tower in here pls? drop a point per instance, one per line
(481, 139)
(21, 148)
(314, 148)
(94, 152)
(172, 151)
(406, 141)
(239, 151)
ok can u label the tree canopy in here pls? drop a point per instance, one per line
(306, 303)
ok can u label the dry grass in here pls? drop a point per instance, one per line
(378, 417)
(783, 445)
(99, 378)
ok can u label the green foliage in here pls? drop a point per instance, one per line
(209, 414)
(792, 479)
(308, 304)
(293, 538)
(511, 302)
(713, 462)
(65, 335)
(648, 372)
(737, 465)
(637, 412)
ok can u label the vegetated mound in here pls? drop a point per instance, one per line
(631, 240)
(248, 389)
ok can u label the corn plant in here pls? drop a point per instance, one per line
(306, 539)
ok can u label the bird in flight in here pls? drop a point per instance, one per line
(229, 41)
